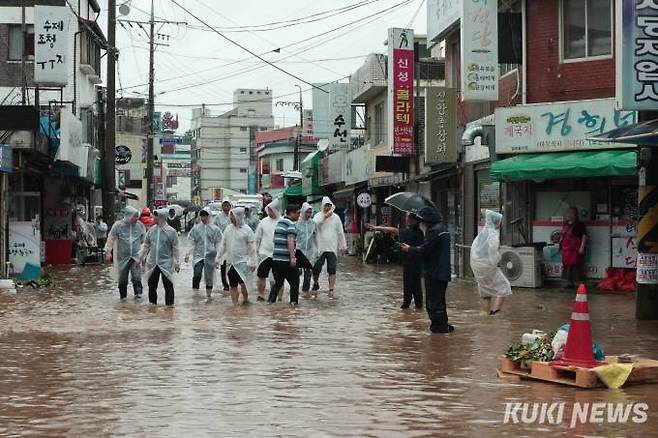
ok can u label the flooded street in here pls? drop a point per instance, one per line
(77, 362)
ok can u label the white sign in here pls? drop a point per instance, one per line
(563, 126)
(160, 192)
(479, 51)
(647, 268)
(24, 245)
(441, 15)
(340, 107)
(356, 166)
(51, 45)
(364, 200)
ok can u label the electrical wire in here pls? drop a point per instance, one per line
(243, 47)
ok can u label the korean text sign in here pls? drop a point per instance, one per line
(441, 125)
(637, 62)
(479, 51)
(401, 90)
(51, 45)
(441, 15)
(563, 126)
(340, 107)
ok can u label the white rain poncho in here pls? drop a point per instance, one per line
(205, 242)
(222, 219)
(306, 238)
(485, 256)
(161, 248)
(125, 241)
(330, 233)
(237, 247)
(265, 232)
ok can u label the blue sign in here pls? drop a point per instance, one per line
(6, 159)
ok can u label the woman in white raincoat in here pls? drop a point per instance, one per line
(160, 249)
(237, 248)
(331, 242)
(122, 249)
(307, 246)
(222, 220)
(265, 245)
(205, 238)
(485, 256)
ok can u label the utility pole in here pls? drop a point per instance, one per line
(109, 184)
(150, 183)
(301, 130)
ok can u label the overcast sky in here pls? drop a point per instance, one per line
(199, 66)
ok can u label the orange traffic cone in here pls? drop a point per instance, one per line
(578, 350)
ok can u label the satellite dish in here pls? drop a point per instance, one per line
(124, 9)
(323, 144)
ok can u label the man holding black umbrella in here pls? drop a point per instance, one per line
(435, 252)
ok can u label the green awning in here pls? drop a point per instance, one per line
(295, 190)
(556, 165)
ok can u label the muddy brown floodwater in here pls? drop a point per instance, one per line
(74, 361)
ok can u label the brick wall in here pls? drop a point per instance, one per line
(548, 79)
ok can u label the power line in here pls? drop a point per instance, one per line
(243, 47)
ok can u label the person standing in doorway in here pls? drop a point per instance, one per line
(238, 250)
(331, 242)
(222, 220)
(412, 263)
(284, 257)
(101, 231)
(573, 240)
(307, 246)
(265, 245)
(485, 256)
(122, 249)
(435, 252)
(205, 239)
(160, 251)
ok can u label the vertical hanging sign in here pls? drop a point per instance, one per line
(401, 90)
(637, 54)
(51, 45)
(479, 51)
(340, 107)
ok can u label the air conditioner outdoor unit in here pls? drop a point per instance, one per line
(522, 266)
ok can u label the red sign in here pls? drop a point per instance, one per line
(403, 101)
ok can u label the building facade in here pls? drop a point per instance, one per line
(224, 154)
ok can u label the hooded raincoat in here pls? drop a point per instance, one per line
(161, 248)
(125, 241)
(222, 219)
(205, 240)
(237, 247)
(306, 235)
(265, 232)
(330, 233)
(485, 256)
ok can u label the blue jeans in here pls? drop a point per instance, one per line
(135, 276)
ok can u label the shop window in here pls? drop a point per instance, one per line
(279, 165)
(20, 44)
(586, 29)
(171, 181)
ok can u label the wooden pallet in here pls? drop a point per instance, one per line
(644, 371)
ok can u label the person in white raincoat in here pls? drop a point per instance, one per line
(160, 250)
(205, 238)
(307, 246)
(265, 245)
(222, 220)
(122, 248)
(485, 256)
(331, 242)
(238, 249)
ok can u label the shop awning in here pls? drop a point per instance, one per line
(295, 190)
(555, 165)
(645, 133)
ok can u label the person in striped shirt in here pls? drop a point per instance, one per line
(284, 260)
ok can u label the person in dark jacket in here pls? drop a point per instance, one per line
(412, 263)
(173, 221)
(435, 252)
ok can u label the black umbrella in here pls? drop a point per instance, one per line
(410, 202)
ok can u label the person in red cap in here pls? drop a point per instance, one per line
(146, 218)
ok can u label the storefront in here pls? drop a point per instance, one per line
(557, 168)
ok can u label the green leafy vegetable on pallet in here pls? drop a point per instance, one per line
(540, 350)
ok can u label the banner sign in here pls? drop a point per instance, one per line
(51, 45)
(441, 15)
(340, 105)
(441, 125)
(401, 90)
(562, 126)
(637, 54)
(479, 51)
